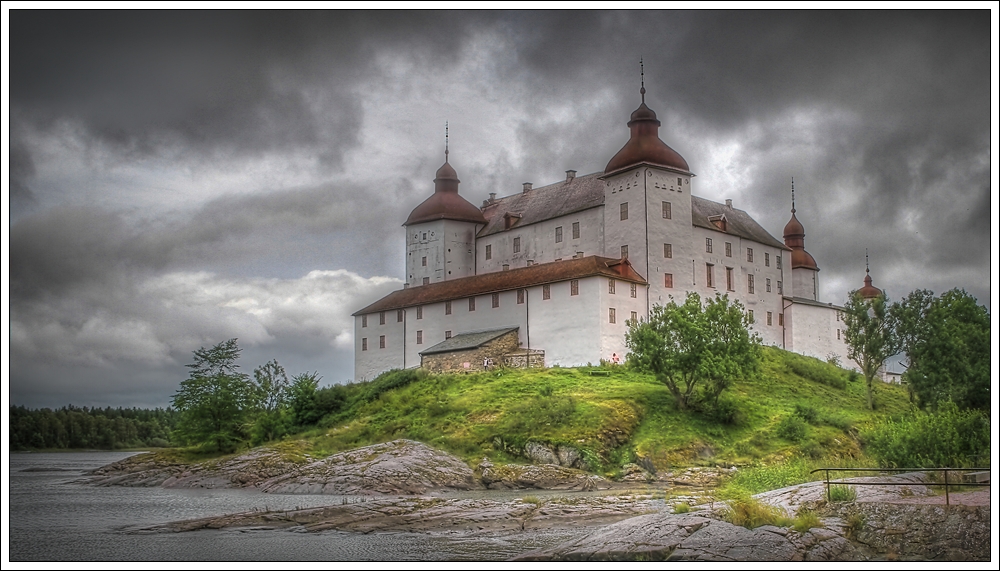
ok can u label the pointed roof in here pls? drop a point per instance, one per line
(869, 291)
(445, 203)
(644, 145)
(794, 236)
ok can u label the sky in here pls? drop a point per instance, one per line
(179, 178)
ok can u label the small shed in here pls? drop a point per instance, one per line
(472, 351)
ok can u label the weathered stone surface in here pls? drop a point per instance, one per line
(540, 454)
(397, 467)
(543, 477)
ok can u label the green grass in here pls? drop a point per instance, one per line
(751, 513)
(617, 418)
(842, 493)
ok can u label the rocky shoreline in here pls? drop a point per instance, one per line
(410, 487)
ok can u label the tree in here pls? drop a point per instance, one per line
(870, 335)
(688, 345)
(215, 398)
(947, 343)
(302, 398)
(270, 390)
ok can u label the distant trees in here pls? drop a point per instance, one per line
(89, 428)
(946, 340)
(690, 345)
(870, 335)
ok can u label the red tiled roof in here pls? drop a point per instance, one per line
(505, 281)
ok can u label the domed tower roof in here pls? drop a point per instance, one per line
(868, 291)
(644, 144)
(795, 235)
(445, 203)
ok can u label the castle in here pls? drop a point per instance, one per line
(552, 275)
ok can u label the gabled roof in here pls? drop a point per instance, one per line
(493, 282)
(470, 340)
(544, 203)
(738, 222)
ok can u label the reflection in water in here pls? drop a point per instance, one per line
(54, 517)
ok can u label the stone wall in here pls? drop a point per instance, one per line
(525, 359)
(470, 360)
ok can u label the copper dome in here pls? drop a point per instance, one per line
(644, 145)
(445, 203)
(794, 235)
(869, 291)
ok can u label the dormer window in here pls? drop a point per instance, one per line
(509, 220)
(719, 221)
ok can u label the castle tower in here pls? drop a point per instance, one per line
(869, 291)
(441, 232)
(805, 272)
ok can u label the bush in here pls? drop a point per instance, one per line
(947, 438)
(725, 411)
(682, 508)
(842, 493)
(750, 513)
(792, 428)
(807, 413)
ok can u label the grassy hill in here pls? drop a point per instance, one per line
(799, 407)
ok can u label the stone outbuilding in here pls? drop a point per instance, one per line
(473, 351)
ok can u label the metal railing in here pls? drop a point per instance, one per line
(947, 484)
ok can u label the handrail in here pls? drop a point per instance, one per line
(946, 484)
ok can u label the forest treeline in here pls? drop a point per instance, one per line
(89, 428)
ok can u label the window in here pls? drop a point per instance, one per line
(777, 261)
(779, 286)
(635, 317)
(558, 234)
(708, 245)
(420, 337)
(546, 293)
(489, 251)
(781, 319)
(364, 321)
(496, 300)
(632, 290)
(668, 251)
(611, 315)
(420, 312)
(838, 316)
(381, 341)
(767, 285)
(423, 261)
(623, 209)
(447, 308)
(399, 316)
(576, 230)
(574, 287)
(838, 334)
(729, 249)
(611, 285)
(666, 209)
(517, 244)
(364, 343)
(709, 278)
(729, 279)
(767, 259)
(381, 318)
(427, 281)
(447, 335)
(749, 283)
(749, 254)
(425, 236)
(668, 280)
(520, 296)
(750, 315)
(678, 181)
(768, 317)
(625, 251)
(472, 304)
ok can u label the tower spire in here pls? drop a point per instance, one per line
(793, 195)
(445, 141)
(642, 81)
(866, 261)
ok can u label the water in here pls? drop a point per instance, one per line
(54, 517)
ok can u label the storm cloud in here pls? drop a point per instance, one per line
(178, 178)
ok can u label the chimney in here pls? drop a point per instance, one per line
(406, 286)
(506, 267)
(729, 203)
(527, 186)
(579, 254)
(570, 175)
(493, 197)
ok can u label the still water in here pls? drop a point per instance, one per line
(54, 517)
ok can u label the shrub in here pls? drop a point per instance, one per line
(791, 428)
(725, 411)
(947, 438)
(805, 520)
(842, 493)
(531, 500)
(682, 508)
(853, 376)
(750, 513)
(855, 523)
(806, 413)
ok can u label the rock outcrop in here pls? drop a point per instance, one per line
(542, 477)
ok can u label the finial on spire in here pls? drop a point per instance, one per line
(793, 195)
(445, 141)
(642, 81)
(866, 261)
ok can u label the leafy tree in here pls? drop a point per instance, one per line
(688, 345)
(215, 398)
(270, 390)
(870, 335)
(947, 342)
(302, 399)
